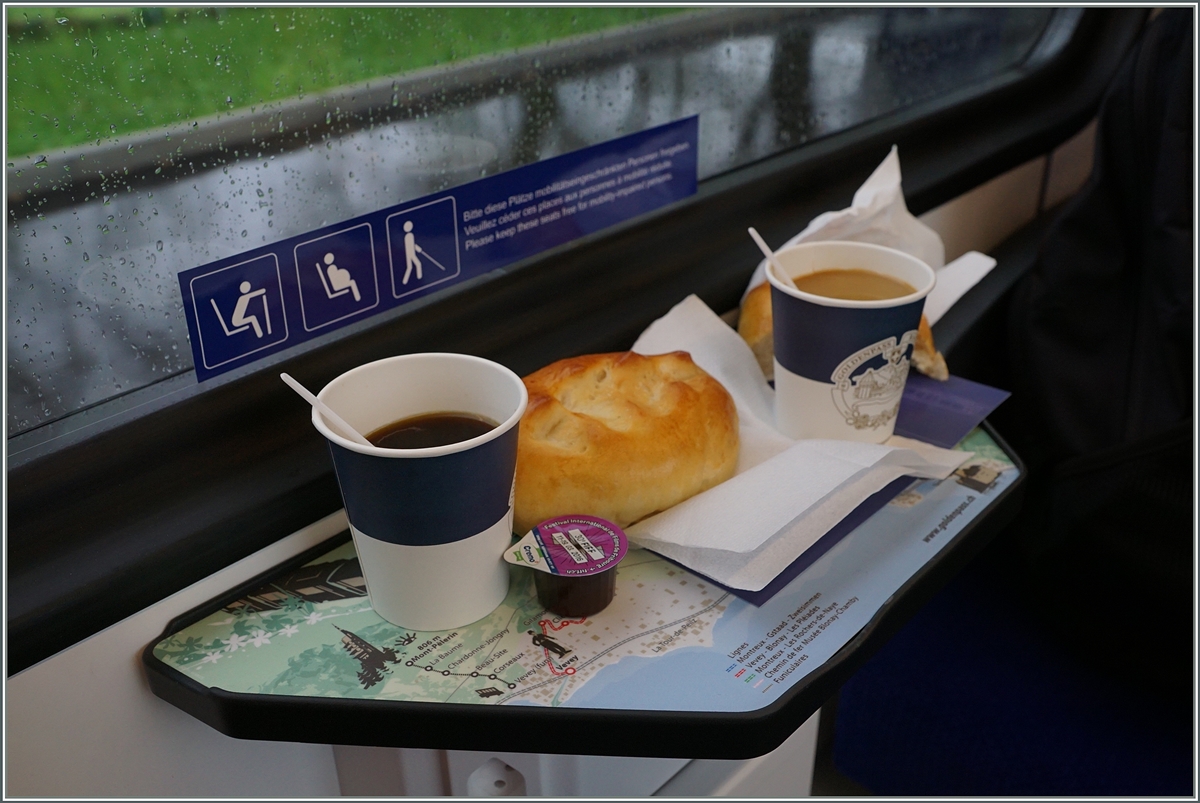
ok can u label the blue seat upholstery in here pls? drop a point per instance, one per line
(1061, 662)
(975, 696)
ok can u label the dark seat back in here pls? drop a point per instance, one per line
(1100, 339)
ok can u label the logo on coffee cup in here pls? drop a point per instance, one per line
(870, 398)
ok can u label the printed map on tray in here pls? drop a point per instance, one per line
(311, 631)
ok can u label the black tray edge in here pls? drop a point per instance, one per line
(584, 731)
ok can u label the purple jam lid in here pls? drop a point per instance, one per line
(572, 546)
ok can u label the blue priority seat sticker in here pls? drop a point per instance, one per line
(259, 302)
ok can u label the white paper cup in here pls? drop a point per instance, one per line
(430, 525)
(840, 365)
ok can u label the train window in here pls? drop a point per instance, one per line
(128, 479)
(142, 142)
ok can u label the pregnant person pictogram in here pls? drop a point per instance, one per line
(336, 281)
(335, 274)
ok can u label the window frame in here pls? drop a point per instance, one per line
(122, 504)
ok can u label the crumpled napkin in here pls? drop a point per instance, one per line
(877, 215)
(784, 494)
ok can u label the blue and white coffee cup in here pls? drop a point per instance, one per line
(430, 525)
(841, 365)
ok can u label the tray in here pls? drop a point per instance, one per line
(675, 667)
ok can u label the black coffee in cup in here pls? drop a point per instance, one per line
(430, 523)
(430, 430)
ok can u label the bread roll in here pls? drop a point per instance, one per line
(755, 327)
(926, 358)
(621, 436)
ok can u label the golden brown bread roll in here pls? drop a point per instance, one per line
(755, 327)
(926, 358)
(621, 436)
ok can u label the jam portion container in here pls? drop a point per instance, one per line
(574, 559)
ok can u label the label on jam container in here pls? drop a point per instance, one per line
(573, 546)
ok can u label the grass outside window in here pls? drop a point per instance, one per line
(79, 75)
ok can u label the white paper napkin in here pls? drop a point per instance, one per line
(784, 494)
(692, 327)
(954, 280)
(877, 215)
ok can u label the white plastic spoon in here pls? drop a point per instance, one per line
(346, 429)
(770, 255)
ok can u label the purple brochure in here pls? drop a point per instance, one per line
(943, 413)
(940, 413)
